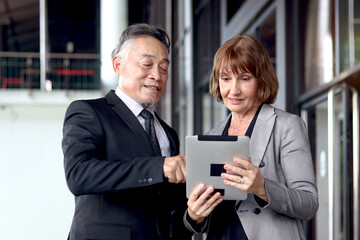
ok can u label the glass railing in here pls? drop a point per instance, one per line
(63, 71)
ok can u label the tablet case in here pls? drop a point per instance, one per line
(205, 159)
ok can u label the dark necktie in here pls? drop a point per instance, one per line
(150, 130)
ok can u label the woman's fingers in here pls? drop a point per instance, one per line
(244, 175)
(202, 202)
(209, 205)
(238, 179)
(197, 192)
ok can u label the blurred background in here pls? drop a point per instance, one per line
(55, 51)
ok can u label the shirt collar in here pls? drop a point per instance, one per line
(133, 105)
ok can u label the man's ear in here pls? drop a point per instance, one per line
(116, 62)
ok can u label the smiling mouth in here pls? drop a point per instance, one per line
(152, 87)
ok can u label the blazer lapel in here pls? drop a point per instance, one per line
(129, 118)
(219, 128)
(261, 134)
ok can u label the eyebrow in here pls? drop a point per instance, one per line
(240, 73)
(224, 73)
(152, 56)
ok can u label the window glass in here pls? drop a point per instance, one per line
(212, 112)
(356, 9)
(19, 23)
(357, 42)
(265, 33)
(72, 32)
(206, 42)
(19, 44)
(72, 29)
(232, 7)
(343, 36)
(349, 34)
(356, 22)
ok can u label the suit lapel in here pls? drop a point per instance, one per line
(261, 134)
(172, 138)
(129, 118)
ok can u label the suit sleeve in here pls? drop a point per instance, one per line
(298, 197)
(87, 168)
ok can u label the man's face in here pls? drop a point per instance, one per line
(144, 75)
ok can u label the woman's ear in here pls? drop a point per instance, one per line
(117, 64)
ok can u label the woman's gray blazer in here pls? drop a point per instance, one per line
(279, 146)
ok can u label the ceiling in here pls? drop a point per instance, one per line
(19, 22)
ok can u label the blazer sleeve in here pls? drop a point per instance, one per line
(297, 197)
(87, 168)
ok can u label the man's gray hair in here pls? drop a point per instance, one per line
(140, 29)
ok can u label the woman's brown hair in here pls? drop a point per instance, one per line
(245, 54)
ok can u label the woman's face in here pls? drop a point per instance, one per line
(239, 91)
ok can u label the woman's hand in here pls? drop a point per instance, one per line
(201, 203)
(245, 176)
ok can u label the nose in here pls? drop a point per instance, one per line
(155, 73)
(235, 86)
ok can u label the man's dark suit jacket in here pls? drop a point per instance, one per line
(119, 186)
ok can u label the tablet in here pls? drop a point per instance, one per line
(205, 159)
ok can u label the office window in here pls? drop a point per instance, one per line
(206, 42)
(74, 44)
(266, 34)
(356, 32)
(71, 23)
(232, 7)
(19, 26)
(348, 25)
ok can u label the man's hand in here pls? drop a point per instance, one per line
(174, 169)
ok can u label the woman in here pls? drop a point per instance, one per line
(278, 177)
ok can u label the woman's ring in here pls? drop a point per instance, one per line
(241, 180)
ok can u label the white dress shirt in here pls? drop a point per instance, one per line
(136, 108)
